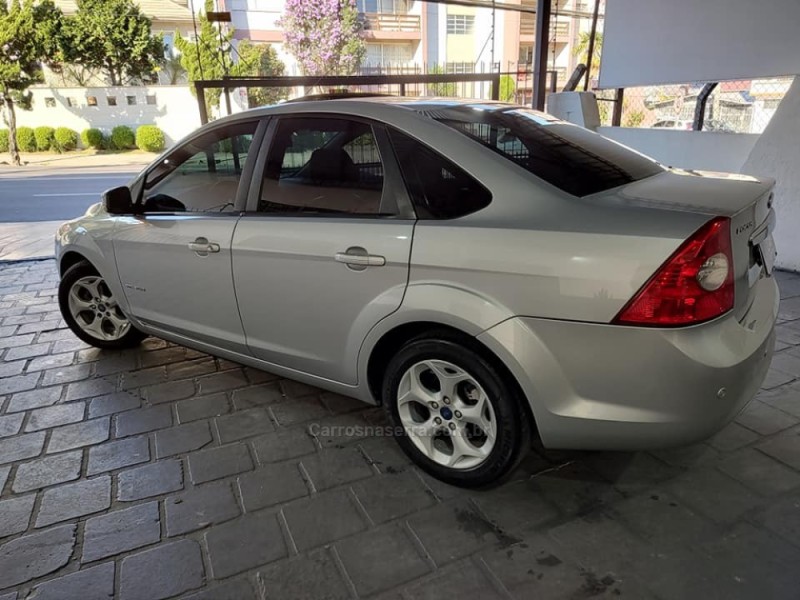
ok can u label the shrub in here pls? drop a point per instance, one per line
(44, 138)
(508, 88)
(66, 139)
(92, 138)
(26, 139)
(150, 138)
(122, 138)
(3, 140)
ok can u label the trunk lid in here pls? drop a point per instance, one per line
(746, 200)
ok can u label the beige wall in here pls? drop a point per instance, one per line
(175, 111)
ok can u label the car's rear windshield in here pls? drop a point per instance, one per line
(572, 158)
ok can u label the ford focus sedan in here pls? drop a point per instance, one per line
(485, 272)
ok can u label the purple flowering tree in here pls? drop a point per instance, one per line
(325, 36)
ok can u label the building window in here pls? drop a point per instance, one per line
(391, 7)
(388, 54)
(112, 100)
(169, 44)
(459, 68)
(50, 102)
(151, 99)
(460, 24)
(131, 100)
(91, 100)
(72, 102)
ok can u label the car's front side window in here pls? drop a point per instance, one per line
(202, 175)
(322, 165)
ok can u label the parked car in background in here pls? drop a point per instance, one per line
(484, 271)
(672, 124)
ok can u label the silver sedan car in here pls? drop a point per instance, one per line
(485, 272)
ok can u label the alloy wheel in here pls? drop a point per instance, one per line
(447, 414)
(95, 309)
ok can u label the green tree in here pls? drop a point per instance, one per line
(114, 38)
(260, 60)
(582, 51)
(174, 70)
(206, 58)
(29, 36)
(440, 89)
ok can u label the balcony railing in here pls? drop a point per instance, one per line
(560, 29)
(390, 22)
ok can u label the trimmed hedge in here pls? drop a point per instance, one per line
(93, 138)
(150, 138)
(122, 138)
(3, 140)
(66, 139)
(45, 138)
(26, 139)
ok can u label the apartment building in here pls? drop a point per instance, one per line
(413, 34)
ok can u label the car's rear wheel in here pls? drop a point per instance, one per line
(91, 310)
(456, 415)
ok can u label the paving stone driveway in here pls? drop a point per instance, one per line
(162, 472)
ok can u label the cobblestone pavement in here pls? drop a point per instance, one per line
(162, 472)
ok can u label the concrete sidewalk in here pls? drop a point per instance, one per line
(33, 162)
(27, 241)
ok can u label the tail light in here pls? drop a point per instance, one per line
(694, 285)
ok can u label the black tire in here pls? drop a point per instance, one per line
(513, 426)
(133, 337)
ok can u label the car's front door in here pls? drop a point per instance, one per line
(322, 254)
(174, 260)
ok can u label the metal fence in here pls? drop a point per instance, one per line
(743, 106)
(256, 91)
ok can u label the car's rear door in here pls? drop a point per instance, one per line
(174, 260)
(322, 253)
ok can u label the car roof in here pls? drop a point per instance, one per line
(380, 107)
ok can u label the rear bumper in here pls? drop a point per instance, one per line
(596, 386)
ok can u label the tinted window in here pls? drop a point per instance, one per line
(203, 174)
(323, 165)
(438, 188)
(572, 158)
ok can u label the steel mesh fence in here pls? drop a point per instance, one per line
(742, 106)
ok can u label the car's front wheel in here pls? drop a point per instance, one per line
(91, 310)
(456, 415)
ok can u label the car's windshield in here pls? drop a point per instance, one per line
(572, 158)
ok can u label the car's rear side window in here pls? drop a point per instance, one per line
(438, 188)
(324, 165)
(572, 158)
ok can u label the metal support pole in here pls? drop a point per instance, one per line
(491, 53)
(201, 102)
(700, 107)
(616, 116)
(228, 100)
(592, 35)
(540, 53)
(495, 86)
(402, 89)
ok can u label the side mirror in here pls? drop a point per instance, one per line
(118, 201)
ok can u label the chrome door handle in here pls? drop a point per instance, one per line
(370, 260)
(202, 246)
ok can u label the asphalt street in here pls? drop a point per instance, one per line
(55, 194)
